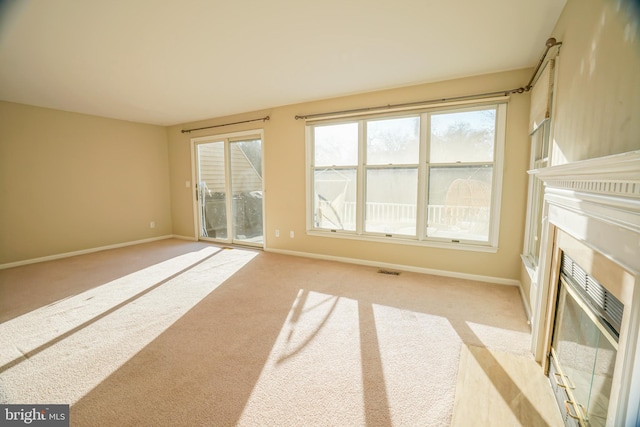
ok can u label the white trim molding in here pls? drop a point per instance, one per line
(618, 174)
(181, 237)
(82, 252)
(400, 267)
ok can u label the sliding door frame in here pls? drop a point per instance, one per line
(227, 138)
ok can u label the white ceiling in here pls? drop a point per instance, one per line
(167, 62)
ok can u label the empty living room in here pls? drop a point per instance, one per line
(320, 214)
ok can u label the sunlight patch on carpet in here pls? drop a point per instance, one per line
(498, 337)
(340, 361)
(57, 353)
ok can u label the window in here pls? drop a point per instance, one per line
(335, 153)
(431, 177)
(540, 127)
(539, 159)
(462, 151)
(391, 175)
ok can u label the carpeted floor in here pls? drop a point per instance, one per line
(173, 333)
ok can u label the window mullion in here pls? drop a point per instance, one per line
(360, 178)
(421, 220)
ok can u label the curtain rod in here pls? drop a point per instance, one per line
(264, 119)
(548, 45)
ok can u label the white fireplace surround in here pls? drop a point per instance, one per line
(597, 203)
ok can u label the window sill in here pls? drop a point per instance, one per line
(406, 241)
(532, 270)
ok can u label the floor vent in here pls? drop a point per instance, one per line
(389, 272)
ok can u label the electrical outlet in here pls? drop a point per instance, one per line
(152, 224)
(291, 234)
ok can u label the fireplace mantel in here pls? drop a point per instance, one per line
(597, 203)
(617, 168)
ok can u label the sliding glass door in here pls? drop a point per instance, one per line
(229, 189)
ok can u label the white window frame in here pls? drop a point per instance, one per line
(531, 261)
(540, 138)
(420, 239)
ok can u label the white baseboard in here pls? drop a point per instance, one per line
(409, 268)
(189, 238)
(531, 276)
(81, 252)
(525, 304)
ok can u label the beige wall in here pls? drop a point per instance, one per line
(597, 94)
(284, 172)
(70, 182)
(598, 88)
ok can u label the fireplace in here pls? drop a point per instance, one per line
(586, 299)
(584, 346)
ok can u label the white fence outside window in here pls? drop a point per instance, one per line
(440, 216)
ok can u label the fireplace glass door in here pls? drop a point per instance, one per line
(583, 350)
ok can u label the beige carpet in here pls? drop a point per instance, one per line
(185, 334)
